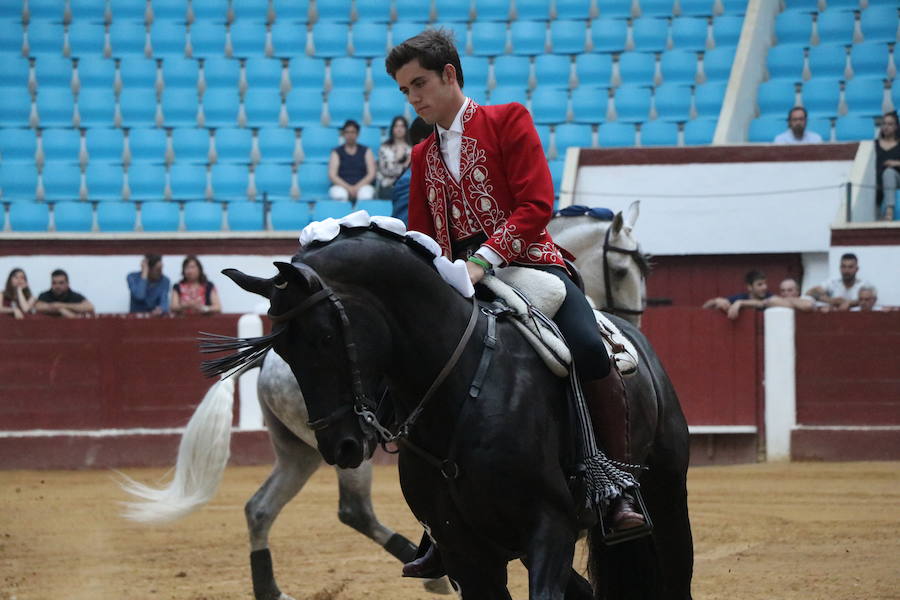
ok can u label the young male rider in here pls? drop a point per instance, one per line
(481, 188)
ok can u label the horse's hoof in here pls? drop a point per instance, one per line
(437, 586)
(284, 596)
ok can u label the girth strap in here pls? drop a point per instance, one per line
(490, 344)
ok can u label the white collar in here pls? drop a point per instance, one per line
(456, 126)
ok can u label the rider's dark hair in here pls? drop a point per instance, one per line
(434, 48)
(753, 276)
(419, 130)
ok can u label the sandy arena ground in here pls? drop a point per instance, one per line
(782, 532)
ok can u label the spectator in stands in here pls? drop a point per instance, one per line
(393, 157)
(149, 287)
(418, 131)
(841, 293)
(796, 132)
(789, 297)
(887, 166)
(17, 298)
(194, 294)
(61, 300)
(755, 297)
(351, 167)
(867, 300)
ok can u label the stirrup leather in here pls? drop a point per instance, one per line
(619, 347)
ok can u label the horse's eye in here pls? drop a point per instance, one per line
(620, 273)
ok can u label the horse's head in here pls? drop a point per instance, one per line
(626, 265)
(322, 337)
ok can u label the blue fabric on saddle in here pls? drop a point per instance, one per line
(579, 210)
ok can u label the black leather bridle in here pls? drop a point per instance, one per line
(607, 279)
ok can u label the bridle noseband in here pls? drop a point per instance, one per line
(610, 303)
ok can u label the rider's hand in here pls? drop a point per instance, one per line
(476, 272)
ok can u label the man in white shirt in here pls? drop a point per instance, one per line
(796, 132)
(843, 292)
(868, 300)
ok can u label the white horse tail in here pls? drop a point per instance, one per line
(202, 456)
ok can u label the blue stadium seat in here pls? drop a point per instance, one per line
(180, 73)
(699, 132)
(203, 216)
(337, 11)
(104, 181)
(273, 180)
(288, 39)
(650, 35)
(549, 105)
(820, 125)
(828, 61)
(62, 181)
(129, 10)
(870, 59)
(246, 216)
(370, 137)
(659, 133)
(290, 216)
(159, 216)
(460, 31)
(307, 73)
(776, 97)
(543, 132)
(11, 36)
(717, 64)
(375, 208)
(137, 72)
(373, 11)
(214, 11)
(696, 8)
(16, 72)
(589, 105)
(380, 79)
(764, 129)
(277, 145)
(146, 181)
(809, 6)
(97, 107)
(55, 107)
(794, 27)
(452, 10)
(264, 73)
(476, 70)
(313, 181)
(168, 38)
(18, 180)
(103, 145)
(679, 67)
(53, 71)
(40, 10)
(137, 107)
(96, 72)
(529, 38)
(86, 39)
(785, 61)
(488, 39)
(616, 135)
(557, 167)
(29, 216)
(14, 110)
(250, 10)
(727, 30)
(61, 145)
(17, 145)
(370, 39)
(262, 108)
(835, 27)
(207, 39)
(609, 35)
(147, 144)
(660, 9)
(491, 10)
(116, 216)
(248, 38)
(576, 10)
(593, 70)
(171, 10)
(512, 71)
(187, 182)
(191, 145)
(505, 95)
(673, 102)
(567, 37)
(291, 10)
(689, 33)
(330, 39)
(127, 38)
(73, 216)
(385, 104)
(221, 107)
(233, 145)
(45, 38)
(532, 10)
(329, 209)
(637, 68)
(317, 142)
(348, 73)
(821, 96)
(864, 96)
(853, 128)
(554, 70)
(708, 99)
(180, 107)
(632, 103)
(221, 72)
(403, 30)
(879, 23)
(572, 135)
(303, 107)
(346, 104)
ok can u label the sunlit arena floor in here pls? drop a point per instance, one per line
(775, 531)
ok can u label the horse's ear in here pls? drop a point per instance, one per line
(299, 274)
(617, 223)
(256, 285)
(632, 213)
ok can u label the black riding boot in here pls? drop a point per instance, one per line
(608, 406)
(428, 564)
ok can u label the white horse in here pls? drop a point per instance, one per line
(204, 449)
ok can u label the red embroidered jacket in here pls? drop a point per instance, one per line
(504, 188)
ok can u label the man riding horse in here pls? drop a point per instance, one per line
(481, 187)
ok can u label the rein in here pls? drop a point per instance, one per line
(610, 303)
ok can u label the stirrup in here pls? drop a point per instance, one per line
(611, 538)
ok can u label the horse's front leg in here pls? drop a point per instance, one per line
(476, 577)
(549, 561)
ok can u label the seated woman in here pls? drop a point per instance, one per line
(393, 158)
(17, 298)
(194, 294)
(887, 166)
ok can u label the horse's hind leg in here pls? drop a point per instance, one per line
(355, 510)
(295, 462)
